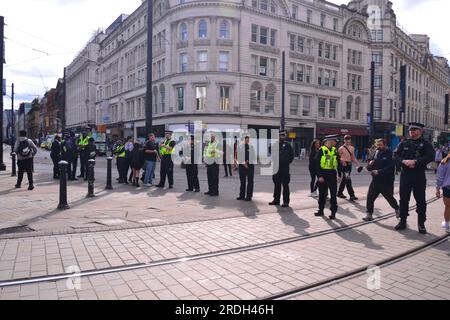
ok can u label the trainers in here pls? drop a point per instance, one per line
(148, 185)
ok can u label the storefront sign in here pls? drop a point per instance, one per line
(399, 130)
(292, 135)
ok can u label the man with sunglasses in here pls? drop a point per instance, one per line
(414, 154)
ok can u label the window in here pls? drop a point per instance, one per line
(300, 44)
(183, 62)
(306, 106)
(254, 65)
(295, 101)
(183, 32)
(262, 66)
(264, 5)
(292, 42)
(332, 113)
(202, 29)
(254, 33)
(322, 105)
(358, 108)
(200, 98)
(292, 71)
(223, 61)
(377, 109)
(224, 30)
(180, 99)
(308, 74)
(270, 98)
(263, 34)
(320, 77)
(334, 54)
(320, 50)
(224, 102)
(294, 11)
(162, 93)
(273, 37)
(378, 81)
(300, 72)
(255, 97)
(323, 18)
(155, 100)
(377, 57)
(377, 35)
(309, 16)
(348, 113)
(202, 60)
(335, 24)
(309, 46)
(327, 51)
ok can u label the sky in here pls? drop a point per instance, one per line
(43, 36)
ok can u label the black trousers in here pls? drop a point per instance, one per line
(417, 184)
(386, 190)
(228, 170)
(347, 181)
(25, 166)
(192, 177)
(330, 184)
(166, 170)
(313, 184)
(56, 161)
(212, 172)
(83, 164)
(72, 168)
(282, 180)
(122, 167)
(247, 177)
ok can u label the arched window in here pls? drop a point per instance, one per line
(255, 97)
(224, 32)
(270, 98)
(348, 113)
(162, 93)
(358, 108)
(155, 100)
(202, 29)
(183, 32)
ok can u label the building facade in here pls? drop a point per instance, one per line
(220, 62)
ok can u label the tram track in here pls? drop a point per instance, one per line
(164, 262)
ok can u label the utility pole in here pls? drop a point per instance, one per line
(283, 92)
(403, 94)
(63, 114)
(446, 108)
(2, 59)
(372, 103)
(149, 95)
(13, 131)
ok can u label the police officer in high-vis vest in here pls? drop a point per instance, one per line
(414, 154)
(120, 154)
(213, 158)
(82, 145)
(282, 178)
(328, 171)
(165, 151)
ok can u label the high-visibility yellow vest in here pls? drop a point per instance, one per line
(120, 151)
(211, 151)
(164, 151)
(84, 142)
(329, 159)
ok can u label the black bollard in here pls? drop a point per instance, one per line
(91, 178)
(109, 174)
(14, 172)
(63, 185)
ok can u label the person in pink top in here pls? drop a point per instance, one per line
(347, 156)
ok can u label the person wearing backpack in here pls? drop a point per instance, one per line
(25, 150)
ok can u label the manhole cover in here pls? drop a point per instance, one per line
(19, 229)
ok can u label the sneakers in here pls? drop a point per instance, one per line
(313, 195)
(369, 217)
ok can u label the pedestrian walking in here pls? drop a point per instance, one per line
(25, 150)
(137, 162)
(212, 156)
(282, 178)
(55, 155)
(443, 183)
(315, 147)
(150, 156)
(328, 166)
(382, 169)
(246, 158)
(191, 168)
(166, 149)
(347, 158)
(414, 154)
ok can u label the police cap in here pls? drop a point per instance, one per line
(416, 125)
(331, 137)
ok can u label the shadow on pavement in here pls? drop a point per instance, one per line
(290, 218)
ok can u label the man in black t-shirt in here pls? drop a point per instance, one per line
(150, 156)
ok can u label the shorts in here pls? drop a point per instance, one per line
(446, 193)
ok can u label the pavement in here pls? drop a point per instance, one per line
(243, 250)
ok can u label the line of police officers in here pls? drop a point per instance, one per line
(414, 154)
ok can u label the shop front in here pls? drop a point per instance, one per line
(360, 135)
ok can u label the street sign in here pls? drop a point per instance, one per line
(292, 135)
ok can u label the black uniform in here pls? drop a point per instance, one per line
(383, 183)
(69, 154)
(166, 169)
(283, 177)
(192, 171)
(414, 179)
(246, 172)
(83, 157)
(330, 183)
(55, 155)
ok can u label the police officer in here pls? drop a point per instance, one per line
(414, 154)
(382, 168)
(166, 149)
(55, 155)
(328, 170)
(82, 144)
(246, 158)
(282, 178)
(212, 155)
(69, 154)
(120, 153)
(192, 168)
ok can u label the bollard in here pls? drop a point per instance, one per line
(109, 174)
(14, 172)
(63, 185)
(91, 178)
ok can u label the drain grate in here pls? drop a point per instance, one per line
(19, 229)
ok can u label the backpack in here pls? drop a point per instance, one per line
(24, 149)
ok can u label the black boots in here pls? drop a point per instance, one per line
(401, 226)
